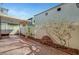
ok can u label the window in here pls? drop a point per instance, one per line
(77, 4)
(59, 9)
(46, 14)
(3, 26)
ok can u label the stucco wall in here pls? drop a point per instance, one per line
(68, 12)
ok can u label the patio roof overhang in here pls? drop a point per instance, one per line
(11, 19)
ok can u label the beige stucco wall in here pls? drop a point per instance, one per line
(69, 12)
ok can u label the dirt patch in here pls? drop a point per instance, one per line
(47, 41)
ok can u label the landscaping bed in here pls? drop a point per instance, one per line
(47, 41)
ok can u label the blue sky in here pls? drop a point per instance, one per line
(27, 10)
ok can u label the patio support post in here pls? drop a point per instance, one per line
(19, 30)
(0, 27)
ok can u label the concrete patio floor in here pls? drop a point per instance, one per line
(14, 45)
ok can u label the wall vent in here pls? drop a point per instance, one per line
(58, 9)
(77, 4)
(46, 14)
